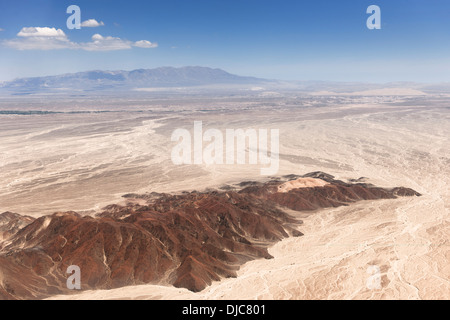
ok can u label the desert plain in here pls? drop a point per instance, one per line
(84, 153)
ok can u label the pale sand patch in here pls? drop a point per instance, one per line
(301, 183)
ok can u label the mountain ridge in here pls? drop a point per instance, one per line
(98, 80)
(186, 241)
(189, 78)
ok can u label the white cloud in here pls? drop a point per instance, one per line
(92, 23)
(97, 37)
(40, 39)
(100, 43)
(2, 29)
(145, 44)
(41, 32)
(36, 38)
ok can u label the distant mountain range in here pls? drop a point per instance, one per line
(127, 80)
(201, 79)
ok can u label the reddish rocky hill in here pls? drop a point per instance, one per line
(10, 223)
(187, 240)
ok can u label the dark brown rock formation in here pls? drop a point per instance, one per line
(186, 240)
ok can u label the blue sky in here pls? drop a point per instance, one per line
(284, 39)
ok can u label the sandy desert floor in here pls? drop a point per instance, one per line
(61, 162)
